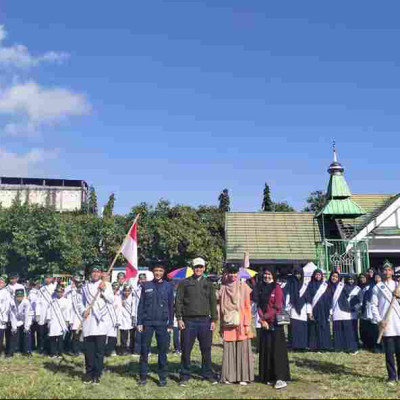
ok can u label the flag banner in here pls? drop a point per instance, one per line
(129, 251)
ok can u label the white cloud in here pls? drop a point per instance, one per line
(41, 104)
(19, 56)
(13, 164)
(38, 106)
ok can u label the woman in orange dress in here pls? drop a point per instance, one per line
(235, 329)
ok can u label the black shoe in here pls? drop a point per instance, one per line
(28, 354)
(96, 381)
(162, 383)
(87, 379)
(212, 380)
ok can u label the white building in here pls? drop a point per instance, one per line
(63, 194)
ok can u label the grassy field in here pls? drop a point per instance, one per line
(314, 376)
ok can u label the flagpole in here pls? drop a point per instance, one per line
(87, 311)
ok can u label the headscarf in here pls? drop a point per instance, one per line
(293, 288)
(362, 285)
(232, 295)
(343, 301)
(314, 285)
(263, 289)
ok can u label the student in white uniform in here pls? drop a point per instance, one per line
(46, 297)
(296, 304)
(21, 321)
(58, 319)
(34, 299)
(382, 296)
(355, 301)
(96, 324)
(112, 335)
(5, 301)
(344, 338)
(74, 297)
(13, 284)
(128, 321)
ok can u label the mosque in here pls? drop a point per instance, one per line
(352, 232)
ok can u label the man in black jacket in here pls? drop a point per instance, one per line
(155, 314)
(196, 313)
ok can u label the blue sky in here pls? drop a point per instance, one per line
(180, 99)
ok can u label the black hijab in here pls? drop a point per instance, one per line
(343, 301)
(314, 285)
(264, 289)
(293, 288)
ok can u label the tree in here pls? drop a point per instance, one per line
(315, 201)
(282, 207)
(267, 204)
(224, 201)
(109, 207)
(93, 208)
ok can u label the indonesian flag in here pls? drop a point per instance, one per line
(129, 250)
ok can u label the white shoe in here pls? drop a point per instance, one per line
(227, 383)
(114, 354)
(391, 383)
(243, 383)
(280, 384)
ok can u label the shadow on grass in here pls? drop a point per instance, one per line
(330, 368)
(63, 368)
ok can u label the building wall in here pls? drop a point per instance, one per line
(63, 198)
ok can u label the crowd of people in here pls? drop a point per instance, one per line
(337, 314)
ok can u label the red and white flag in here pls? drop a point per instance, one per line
(129, 250)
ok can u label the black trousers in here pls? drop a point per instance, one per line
(35, 335)
(392, 348)
(75, 344)
(43, 339)
(162, 339)
(94, 355)
(125, 335)
(110, 346)
(19, 342)
(2, 334)
(199, 329)
(56, 345)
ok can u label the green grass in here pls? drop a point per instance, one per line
(329, 375)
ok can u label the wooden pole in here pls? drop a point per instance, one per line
(387, 316)
(87, 311)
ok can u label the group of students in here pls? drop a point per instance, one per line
(340, 302)
(50, 316)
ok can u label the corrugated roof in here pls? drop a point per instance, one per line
(270, 236)
(370, 203)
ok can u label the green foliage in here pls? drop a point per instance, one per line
(109, 207)
(282, 207)
(224, 201)
(267, 202)
(35, 239)
(315, 201)
(93, 208)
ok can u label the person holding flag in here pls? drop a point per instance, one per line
(386, 312)
(96, 295)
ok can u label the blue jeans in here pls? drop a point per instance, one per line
(199, 329)
(162, 347)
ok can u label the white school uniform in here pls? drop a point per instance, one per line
(99, 321)
(380, 305)
(58, 316)
(128, 313)
(21, 314)
(5, 303)
(113, 332)
(46, 297)
(75, 301)
(13, 288)
(34, 299)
